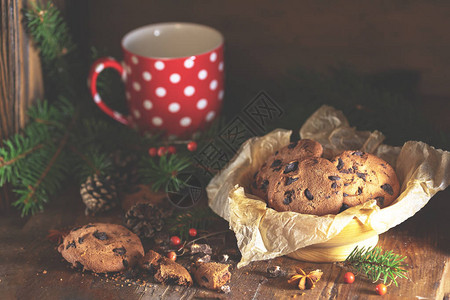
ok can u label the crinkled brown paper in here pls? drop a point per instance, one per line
(263, 233)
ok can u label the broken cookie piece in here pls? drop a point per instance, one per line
(165, 270)
(211, 275)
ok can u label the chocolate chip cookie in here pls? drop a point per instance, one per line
(102, 248)
(298, 151)
(211, 275)
(165, 270)
(310, 186)
(366, 177)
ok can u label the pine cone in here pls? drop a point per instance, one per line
(145, 219)
(98, 194)
(125, 165)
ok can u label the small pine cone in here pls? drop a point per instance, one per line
(125, 165)
(98, 194)
(145, 219)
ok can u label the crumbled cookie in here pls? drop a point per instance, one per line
(297, 151)
(102, 248)
(165, 270)
(211, 275)
(311, 186)
(366, 177)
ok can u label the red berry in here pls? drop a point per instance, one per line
(172, 150)
(381, 289)
(172, 255)
(175, 240)
(152, 151)
(192, 232)
(161, 151)
(349, 277)
(192, 146)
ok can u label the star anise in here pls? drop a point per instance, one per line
(305, 281)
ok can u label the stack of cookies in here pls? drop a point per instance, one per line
(296, 178)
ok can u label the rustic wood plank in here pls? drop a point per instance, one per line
(25, 254)
(20, 76)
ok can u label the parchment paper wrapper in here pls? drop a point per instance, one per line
(263, 233)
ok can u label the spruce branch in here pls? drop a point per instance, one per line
(376, 265)
(199, 218)
(163, 172)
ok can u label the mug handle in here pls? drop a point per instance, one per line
(97, 67)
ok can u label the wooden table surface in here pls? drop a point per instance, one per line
(31, 267)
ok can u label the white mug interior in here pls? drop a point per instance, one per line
(172, 40)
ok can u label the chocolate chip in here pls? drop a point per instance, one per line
(276, 163)
(265, 184)
(276, 152)
(358, 153)
(361, 175)
(125, 263)
(380, 200)
(334, 177)
(81, 240)
(71, 244)
(288, 197)
(76, 228)
(308, 195)
(346, 184)
(120, 251)
(359, 191)
(340, 164)
(345, 194)
(277, 169)
(290, 180)
(89, 226)
(292, 145)
(383, 165)
(388, 188)
(205, 279)
(79, 265)
(334, 185)
(344, 207)
(292, 166)
(100, 235)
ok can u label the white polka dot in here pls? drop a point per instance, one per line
(128, 69)
(202, 74)
(185, 122)
(213, 85)
(213, 57)
(137, 113)
(174, 107)
(148, 104)
(201, 104)
(147, 76)
(127, 95)
(188, 63)
(117, 115)
(210, 116)
(159, 65)
(97, 98)
(221, 95)
(156, 32)
(136, 86)
(134, 59)
(99, 68)
(189, 90)
(175, 78)
(221, 66)
(157, 121)
(160, 92)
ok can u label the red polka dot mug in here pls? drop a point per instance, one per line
(173, 75)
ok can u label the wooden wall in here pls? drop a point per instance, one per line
(265, 38)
